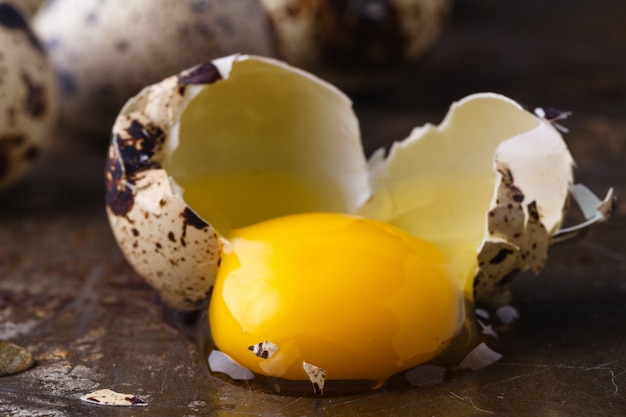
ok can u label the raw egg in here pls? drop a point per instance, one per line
(357, 298)
(243, 182)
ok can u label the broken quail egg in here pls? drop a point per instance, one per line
(245, 179)
(27, 94)
(106, 51)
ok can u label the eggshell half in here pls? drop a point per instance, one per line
(168, 242)
(492, 180)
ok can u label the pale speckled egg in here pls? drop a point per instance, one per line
(244, 179)
(106, 51)
(356, 43)
(27, 94)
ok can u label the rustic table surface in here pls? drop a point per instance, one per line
(68, 295)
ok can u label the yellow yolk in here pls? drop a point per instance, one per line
(358, 298)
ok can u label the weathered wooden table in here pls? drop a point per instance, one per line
(67, 294)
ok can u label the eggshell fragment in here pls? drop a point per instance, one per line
(264, 349)
(27, 95)
(222, 363)
(172, 244)
(317, 376)
(113, 398)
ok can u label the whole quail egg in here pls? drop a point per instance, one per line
(355, 43)
(244, 180)
(27, 94)
(106, 51)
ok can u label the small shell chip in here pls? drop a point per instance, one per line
(264, 349)
(112, 398)
(317, 376)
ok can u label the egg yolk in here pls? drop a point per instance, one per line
(360, 299)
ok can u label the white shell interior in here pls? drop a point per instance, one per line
(267, 140)
(440, 183)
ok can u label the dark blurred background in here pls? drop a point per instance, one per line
(67, 294)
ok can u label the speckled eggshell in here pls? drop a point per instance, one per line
(27, 94)
(172, 248)
(106, 51)
(355, 43)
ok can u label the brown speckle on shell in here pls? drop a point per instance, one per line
(517, 240)
(119, 191)
(35, 103)
(192, 219)
(264, 350)
(138, 146)
(205, 73)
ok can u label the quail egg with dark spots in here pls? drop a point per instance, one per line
(27, 94)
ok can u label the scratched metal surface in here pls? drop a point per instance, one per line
(67, 294)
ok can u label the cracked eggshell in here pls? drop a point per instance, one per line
(172, 244)
(355, 43)
(27, 94)
(493, 180)
(105, 51)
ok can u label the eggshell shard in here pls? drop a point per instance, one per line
(224, 364)
(264, 349)
(317, 376)
(105, 52)
(480, 357)
(27, 95)
(162, 137)
(113, 398)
